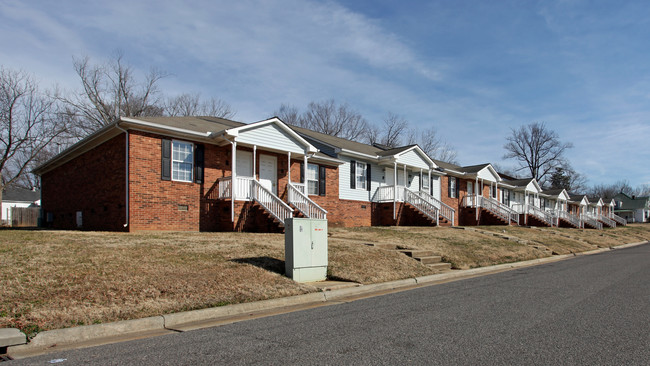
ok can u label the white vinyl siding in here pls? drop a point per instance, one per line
(182, 161)
(270, 136)
(312, 179)
(412, 158)
(486, 175)
(347, 193)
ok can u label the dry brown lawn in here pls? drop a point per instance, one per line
(56, 279)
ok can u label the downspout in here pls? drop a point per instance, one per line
(126, 224)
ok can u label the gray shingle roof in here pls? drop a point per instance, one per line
(20, 194)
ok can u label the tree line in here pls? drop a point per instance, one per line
(38, 123)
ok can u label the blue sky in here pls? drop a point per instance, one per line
(471, 69)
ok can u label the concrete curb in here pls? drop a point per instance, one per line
(171, 321)
(176, 321)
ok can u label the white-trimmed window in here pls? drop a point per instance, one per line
(182, 161)
(425, 181)
(452, 188)
(312, 179)
(360, 174)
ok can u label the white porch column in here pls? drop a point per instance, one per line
(289, 167)
(305, 172)
(430, 185)
(406, 182)
(233, 179)
(395, 191)
(254, 161)
(476, 199)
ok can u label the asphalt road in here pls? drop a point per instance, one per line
(591, 310)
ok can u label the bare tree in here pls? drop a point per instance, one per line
(335, 120)
(610, 190)
(537, 149)
(29, 123)
(433, 145)
(289, 114)
(110, 91)
(192, 105)
(391, 132)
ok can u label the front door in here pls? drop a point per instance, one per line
(470, 188)
(269, 173)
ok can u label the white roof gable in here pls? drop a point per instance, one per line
(271, 133)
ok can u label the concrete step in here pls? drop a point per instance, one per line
(440, 266)
(384, 246)
(417, 253)
(430, 260)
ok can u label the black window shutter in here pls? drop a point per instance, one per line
(322, 177)
(420, 182)
(449, 186)
(166, 161)
(198, 163)
(368, 180)
(431, 186)
(353, 182)
(457, 187)
(302, 172)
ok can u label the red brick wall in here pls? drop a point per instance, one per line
(93, 183)
(405, 214)
(454, 203)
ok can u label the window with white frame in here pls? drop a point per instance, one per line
(360, 174)
(425, 181)
(182, 161)
(452, 187)
(312, 179)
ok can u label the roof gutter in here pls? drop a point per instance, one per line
(126, 198)
(166, 128)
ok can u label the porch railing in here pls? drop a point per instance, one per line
(618, 219)
(243, 188)
(225, 187)
(539, 213)
(303, 203)
(248, 188)
(389, 194)
(492, 205)
(571, 218)
(591, 221)
(272, 203)
(445, 211)
(421, 204)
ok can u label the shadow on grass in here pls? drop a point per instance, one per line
(267, 263)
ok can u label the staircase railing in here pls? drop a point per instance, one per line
(591, 221)
(494, 206)
(421, 204)
(445, 211)
(618, 219)
(573, 219)
(271, 203)
(543, 215)
(304, 204)
(606, 220)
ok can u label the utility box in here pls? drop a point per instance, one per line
(305, 249)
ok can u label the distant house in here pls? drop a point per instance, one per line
(18, 197)
(632, 208)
